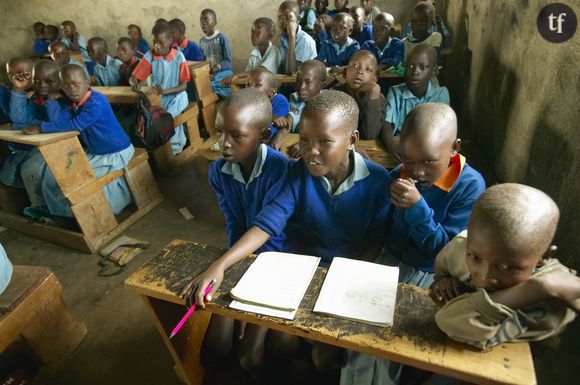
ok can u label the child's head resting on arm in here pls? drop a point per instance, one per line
(360, 70)
(263, 31)
(510, 234)
(59, 52)
(46, 78)
(263, 80)
(328, 133)
(420, 66)
(243, 122)
(162, 39)
(310, 79)
(428, 142)
(125, 49)
(74, 82)
(19, 71)
(287, 11)
(98, 50)
(422, 19)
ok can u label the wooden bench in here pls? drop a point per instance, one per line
(32, 309)
(414, 338)
(69, 164)
(163, 157)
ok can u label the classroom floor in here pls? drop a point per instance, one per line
(122, 345)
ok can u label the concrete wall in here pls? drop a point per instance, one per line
(518, 94)
(110, 18)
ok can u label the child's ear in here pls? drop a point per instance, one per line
(550, 253)
(455, 147)
(353, 140)
(265, 135)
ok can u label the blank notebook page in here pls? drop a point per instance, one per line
(359, 291)
(276, 280)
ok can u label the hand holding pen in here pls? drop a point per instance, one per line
(404, 193)
(193, 308)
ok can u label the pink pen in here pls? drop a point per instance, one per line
(191, 310)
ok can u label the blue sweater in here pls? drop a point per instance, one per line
(100, 132)
(327, 226)
(364, 36)
(241, 205)
(418, 233)
(280, 107)
(25, 112)
(393, 55)
(331, 55)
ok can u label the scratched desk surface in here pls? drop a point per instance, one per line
(9, 135)
(414, 339)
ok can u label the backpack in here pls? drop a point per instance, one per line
(154, 124)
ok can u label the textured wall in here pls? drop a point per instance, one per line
(110, 17)
(519, 95)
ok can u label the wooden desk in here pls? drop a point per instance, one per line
(68, 163)
(375, 149)
(413, 340)
(163, 156)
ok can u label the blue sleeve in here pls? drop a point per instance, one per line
(234, 230)
(444, 96)
(429, 236)
(226, 63)
(274, 216)
(322, 36)
(22, 111)
(396, 54)
(280, 106)
(65, 121)
(323, 54)
(310, 18)
(377, 229)
(197, 54)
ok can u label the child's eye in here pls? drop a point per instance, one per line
(429, 162)
(509, 268)
(303, 139)
(324, 141)
(474, 258)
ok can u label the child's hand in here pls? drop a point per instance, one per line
(21, 81)
(335, 70)
(562, 285)
(404, 193)
(31, 130)
(370, 90)
(294, 151)
(194, 291)
(292, 24)
(227, 82)
(157, 89)
(319, 25)
(445, 289)
(281, 122)
(276, 143)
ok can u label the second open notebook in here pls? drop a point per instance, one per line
(274, 284)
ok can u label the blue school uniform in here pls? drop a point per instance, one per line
(108, 75)
(280, 107)
(392, 54)
(433, 28)
(307, 19)
(400, 101)
(107, 146)
(327, 225)
(296, 107)
(240, 200)
(305, 48)
(364, 36)
(4, 104)
(216, 50)
(5, 270)
(73, 61)
(335, 12)
(331, 54)
(40, 46)
(83, 47)
(142, 48)
(169, 71)
(190, 50)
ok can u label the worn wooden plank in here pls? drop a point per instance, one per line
(24, 280)
(413, 339)
(125, 95)
(291, 79)
(10, 135)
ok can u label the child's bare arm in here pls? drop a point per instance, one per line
(134, 83)
(252, 240)
(175, 90)
(445, 289)
(391, 141)
(291, 63)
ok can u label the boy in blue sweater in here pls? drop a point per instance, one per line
(335, 202)
(432, 192)
(388, 50)
(216, 50)
(141, 45)
(337, 51)
(361, 31)
(248, 177)
(106, 69)
(188, 48)
(40, 44)
(108, 147)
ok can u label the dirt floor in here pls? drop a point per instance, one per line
(122, 345)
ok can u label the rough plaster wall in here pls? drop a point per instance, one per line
(110, 18)
(519, 96)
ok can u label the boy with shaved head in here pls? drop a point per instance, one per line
(107, 69)
(499, 279)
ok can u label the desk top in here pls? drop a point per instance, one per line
(286, 79)
(125, 95)
(17, 136)
(414, 339)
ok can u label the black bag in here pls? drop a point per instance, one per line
(154, 124)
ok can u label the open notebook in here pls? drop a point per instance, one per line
(359, 291)
(274, 284)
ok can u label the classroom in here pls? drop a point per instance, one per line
(137, 181)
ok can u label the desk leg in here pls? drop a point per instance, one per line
(185, 347)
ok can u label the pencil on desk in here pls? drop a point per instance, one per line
(191, 310)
